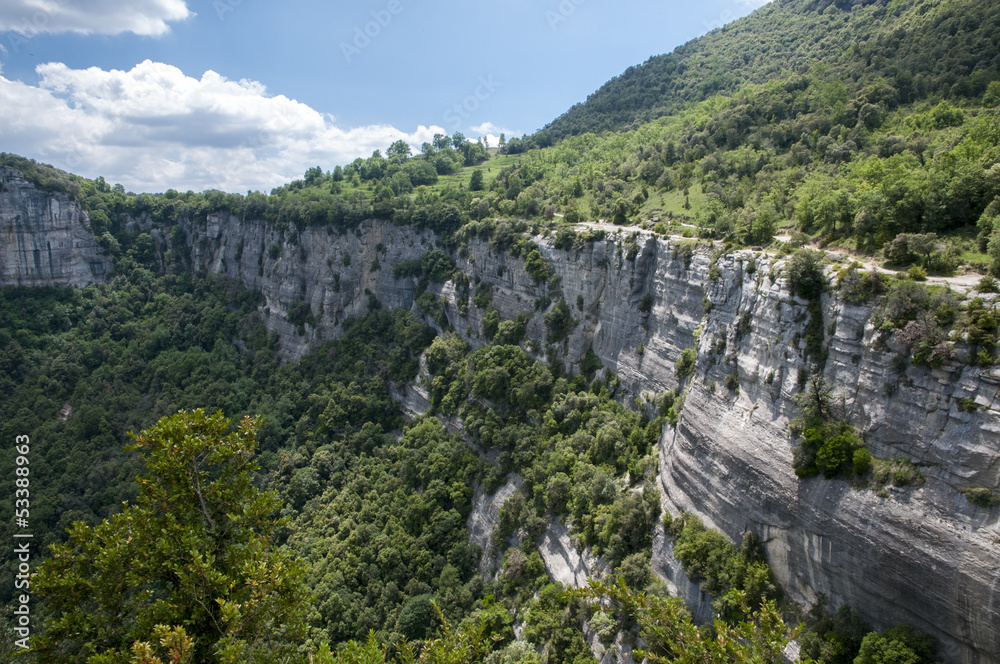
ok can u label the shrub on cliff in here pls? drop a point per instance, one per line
(828, 448)
(828, 443)
(738, 577)
(805, 274)
(900, 645)
(685, 364)
(980, 496)
(536, 266)
(559, 321)
(857, 287)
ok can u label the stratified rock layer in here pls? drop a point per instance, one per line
(43, 238)
(924, 556)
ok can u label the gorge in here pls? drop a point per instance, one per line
(922, 554)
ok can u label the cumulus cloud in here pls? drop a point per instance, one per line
(153, 127)
(491, 132)
(107, 17)
(488, 128)
(754, 4)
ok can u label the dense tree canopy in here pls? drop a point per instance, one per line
(871, 125)
(195, 552)
(898, 51)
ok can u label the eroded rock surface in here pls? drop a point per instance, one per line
(485, 516)
(563, 562)
(924, 556)
(668, 568)
(44, 240)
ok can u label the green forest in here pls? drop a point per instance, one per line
(357, 517)
(200, 499)
(879, 124)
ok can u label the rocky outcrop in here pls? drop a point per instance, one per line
(336, 276)
(668, 568)
(484, 517)
(923, 555)
(563, 561)
(44, 238)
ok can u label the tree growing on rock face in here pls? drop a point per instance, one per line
(192, 562)
(670, 636)
(805, 274)
(815, 401)
(686, 363)
(900, 645)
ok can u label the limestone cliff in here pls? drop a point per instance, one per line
(44, 239)
(924, 556)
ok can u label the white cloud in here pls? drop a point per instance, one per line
(488, 128)
(108, 17)
(754, 4)
(153, 128)
(491, 133)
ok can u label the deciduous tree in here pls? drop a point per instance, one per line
(194, 552)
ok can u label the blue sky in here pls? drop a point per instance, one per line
(247, 94)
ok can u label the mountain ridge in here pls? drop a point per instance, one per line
(635, 275)
(779, 38)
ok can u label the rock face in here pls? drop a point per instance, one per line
(924, 556)
(43, 238)
(336, 276)
(563, 562)
(484, 517)
(672, 572)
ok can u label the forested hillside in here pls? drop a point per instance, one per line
(376, 510)
(919, 49)
(866, 127)
(887, 127)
